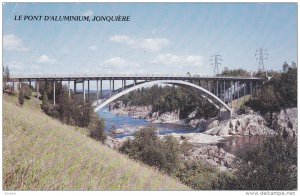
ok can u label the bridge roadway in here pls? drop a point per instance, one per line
(147, 77)
(216, 89)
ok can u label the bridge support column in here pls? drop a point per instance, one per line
(224, 114)
(97, 93)
(74, 87)
(234, 90)
(100, 89)
(217, 88)
(231, 96)
(113, 85)
(69, 93)
(37, 87)
(244, 91)
(29, 84)
(83, 89)
(238, 93)
(224, 90)
(251, 89)
(110, 88)
(124, 83)
(88, 95)
(54, 93)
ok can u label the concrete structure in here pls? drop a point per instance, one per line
(219, 90)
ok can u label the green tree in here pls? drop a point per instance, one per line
(271, 165)
(21, 97)
(6, 76)
(96, 128)
(45, 103)
(148, 148)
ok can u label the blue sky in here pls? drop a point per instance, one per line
(173, 38)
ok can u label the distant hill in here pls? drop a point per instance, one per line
(41, 153)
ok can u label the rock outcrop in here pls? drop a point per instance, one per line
(250, 124)
(213, 156)
(168, 117)
(286, 122)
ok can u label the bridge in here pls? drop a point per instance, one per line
(218, 90)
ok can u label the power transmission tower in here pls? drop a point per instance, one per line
(261, 53)
(215, 62)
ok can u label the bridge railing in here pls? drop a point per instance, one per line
(95, 75)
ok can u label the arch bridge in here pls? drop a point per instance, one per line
(218, 90)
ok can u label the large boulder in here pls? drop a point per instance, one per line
(286, 122)
(250, 124)
(212, 123)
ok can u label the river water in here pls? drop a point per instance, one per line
(233, 145)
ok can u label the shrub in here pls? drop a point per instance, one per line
(200, 176)
(45, 103)
(270, 166)
(26, 91)
(96, 128)
(148, 148)
(21, 97)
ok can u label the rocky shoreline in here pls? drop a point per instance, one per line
(213, 131)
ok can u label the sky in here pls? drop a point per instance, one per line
(160, 38)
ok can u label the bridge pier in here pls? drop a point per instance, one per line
(75, 87)
(88, 95)
(244, 91)
(113, 85)
(83, 89)
(37, 88)
(251, 89)
(100, 89)
(97, 93)
(224, 89)
(69, 94)
(217, 88)
(54, 93)
(224, 114)
(110, 88)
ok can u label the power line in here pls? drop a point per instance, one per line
(261, 53)
(215, 62)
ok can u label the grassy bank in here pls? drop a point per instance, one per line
(41, 153)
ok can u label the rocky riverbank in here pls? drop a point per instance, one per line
(213, 156)
(249, 124)
(286, 122)
(137, 112)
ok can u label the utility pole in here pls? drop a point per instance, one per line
(215, 61)
(261, 56)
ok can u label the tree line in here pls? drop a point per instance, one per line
(170, 98)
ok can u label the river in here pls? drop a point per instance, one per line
(233, 145)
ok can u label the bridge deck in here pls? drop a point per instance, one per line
(70, 77)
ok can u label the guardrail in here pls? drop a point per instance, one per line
(13, 76)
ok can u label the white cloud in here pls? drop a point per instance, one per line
(169, 59)
(115, 61)
(13, 43)
(44, 59)
(88, 13)
(151, 44)
(118, 64)
(93, 47)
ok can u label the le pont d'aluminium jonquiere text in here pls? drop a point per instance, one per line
(117, 18)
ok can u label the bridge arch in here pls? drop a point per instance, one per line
(203, 92)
